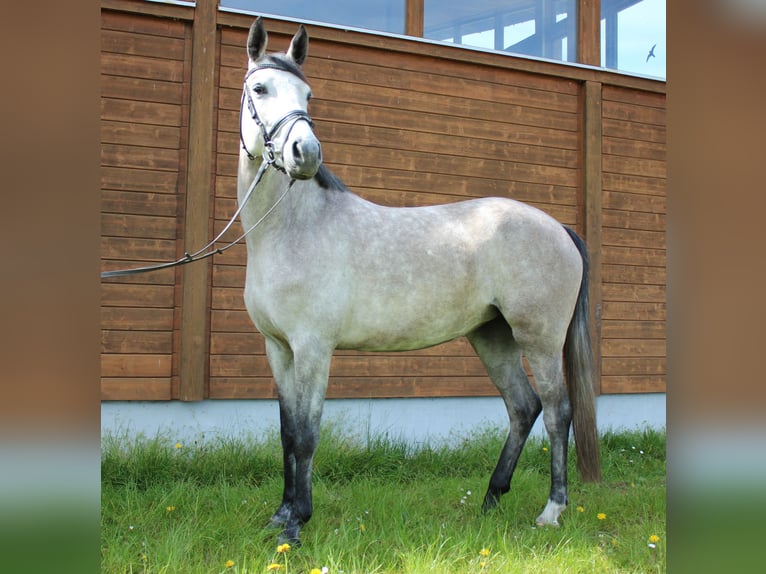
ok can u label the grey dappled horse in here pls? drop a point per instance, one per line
(329, 270)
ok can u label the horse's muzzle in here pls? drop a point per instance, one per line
(303, 158)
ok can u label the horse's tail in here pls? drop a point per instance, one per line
(578, 366)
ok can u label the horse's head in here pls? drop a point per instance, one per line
(274, 122)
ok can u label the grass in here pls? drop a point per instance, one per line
(380, 506)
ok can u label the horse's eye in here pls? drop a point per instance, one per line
(309, 96)
(259, 89)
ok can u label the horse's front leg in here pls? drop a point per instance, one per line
(301, 373)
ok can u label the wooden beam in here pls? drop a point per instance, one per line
(414, 18)
(194, 335)
(591, 162)
(589, 32)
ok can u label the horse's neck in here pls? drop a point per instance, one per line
(272, 202)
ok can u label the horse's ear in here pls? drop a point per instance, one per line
(257, 40)
(299, 47)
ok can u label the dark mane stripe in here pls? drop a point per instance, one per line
(328, 180)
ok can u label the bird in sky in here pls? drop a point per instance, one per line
(651, 53)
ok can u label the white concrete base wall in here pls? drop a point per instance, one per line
(414, 420)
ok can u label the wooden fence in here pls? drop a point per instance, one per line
(403, 122)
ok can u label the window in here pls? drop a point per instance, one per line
(381, 15)
(543, 28)
(633, 36)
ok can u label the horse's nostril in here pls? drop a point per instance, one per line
(296, 150)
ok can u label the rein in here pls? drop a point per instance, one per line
(269, 160)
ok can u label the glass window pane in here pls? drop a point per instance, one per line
(633, 36)
(543, 28)
(381, 15)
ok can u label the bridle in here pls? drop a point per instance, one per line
(269, 159)
(269, 149)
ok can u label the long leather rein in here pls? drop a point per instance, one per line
(269, 159)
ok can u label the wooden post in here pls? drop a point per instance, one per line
(414, 18)
(589, 32)
(193, 363)
(591, 158)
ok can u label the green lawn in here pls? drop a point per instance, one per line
(379, 506)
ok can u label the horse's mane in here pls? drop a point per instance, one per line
(328, 180)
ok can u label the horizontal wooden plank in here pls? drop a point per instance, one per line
(638, 184)
(137, 318)
(148, 135)
(145, 296)
(142, 89)
(152, 113)
(142, 67)
(633, 311)
(636, 293)
(154, 46)
(140, 203)
(403, 364)
(633, 166)
(633, 274)
(360, 387)
(138, 249)
(118, 365)
(638, 238)
(225, 275)
(632, 96)
(128, 179)
(230, 321)
(634, 348)
(633, 113)
(633, 147)
(627, 329)
(633, 384)
(123, 225)
(139, 24)
(635, 212)
(630, 366)
(633, 256)
(137, 342)
(136, 389)
(140, 157)
(634, 131)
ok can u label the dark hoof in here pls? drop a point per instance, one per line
(290, 535)
(490, 503)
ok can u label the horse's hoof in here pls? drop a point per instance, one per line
(290, 535)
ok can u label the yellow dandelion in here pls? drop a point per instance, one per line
(178, 445)
(484, 552)
(545, 449)
(654, 538)
(282, 548)
(362, 527)
(601, 516)
(229, 563)
(315, 571)
(170, 508)
(580, 509)
(274, 567)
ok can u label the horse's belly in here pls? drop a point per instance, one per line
(406, 328)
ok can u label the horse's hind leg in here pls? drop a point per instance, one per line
(557, 415)
(501, 356)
